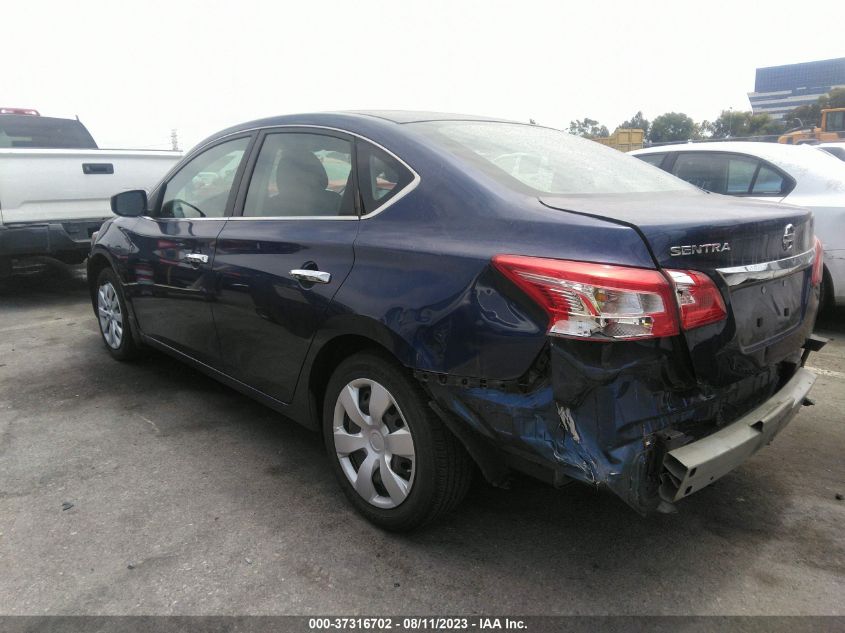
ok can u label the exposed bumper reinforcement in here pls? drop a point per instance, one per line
(692, 467)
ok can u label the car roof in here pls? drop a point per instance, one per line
(417, 116)
(355, 121)
(768, 151)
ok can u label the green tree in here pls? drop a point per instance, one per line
(740, 124)
(637, 121)
(835, 98)
(673, 126)
(588, 128)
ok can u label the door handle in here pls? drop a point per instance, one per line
(311, 276)
(196, 258)
(97, 168)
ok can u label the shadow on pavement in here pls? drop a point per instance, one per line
(51, 281)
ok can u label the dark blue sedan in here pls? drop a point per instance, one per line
(441, 294)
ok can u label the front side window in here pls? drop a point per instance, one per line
(652, 159)
(201, 188)
(539, 160)
(708, 171)
(302, 175)
(380, 176)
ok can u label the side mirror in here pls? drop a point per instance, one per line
(130, 203)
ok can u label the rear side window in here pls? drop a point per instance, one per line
(43, 133)
(380, 176)
(740, 174)
(301, 175)
(768, 182)
(730, 174)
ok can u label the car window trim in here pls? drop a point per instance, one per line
(244, 183)
(788, 181)
(160, 190)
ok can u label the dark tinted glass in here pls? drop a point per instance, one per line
(43, 133)
(380, 176)
(708, 171)
(301, 175)
(768, 182)
(652, 159)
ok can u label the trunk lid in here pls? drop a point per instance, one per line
(769, 314)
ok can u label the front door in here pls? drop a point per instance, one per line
(172, 285)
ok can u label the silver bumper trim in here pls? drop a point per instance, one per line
(692, 467)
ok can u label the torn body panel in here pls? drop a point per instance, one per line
(609, 414)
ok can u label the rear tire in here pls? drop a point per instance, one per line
(399, 466)
(110, 308)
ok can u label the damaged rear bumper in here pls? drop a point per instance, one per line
(696, 465)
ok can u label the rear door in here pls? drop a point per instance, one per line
(282, 258)
(171, 284)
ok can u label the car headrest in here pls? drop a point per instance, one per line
(301, 170)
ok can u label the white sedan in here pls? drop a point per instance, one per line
(837, 149)
(796, 174)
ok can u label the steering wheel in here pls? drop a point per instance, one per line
(186, 203)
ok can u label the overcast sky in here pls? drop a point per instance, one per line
(134, 70)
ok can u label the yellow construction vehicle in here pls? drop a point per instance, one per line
(831, 129)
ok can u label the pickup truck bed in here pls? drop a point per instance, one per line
(52, 200)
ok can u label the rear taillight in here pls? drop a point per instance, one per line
(699, 300)
(595, 301)
(606, 302)
(818, 262)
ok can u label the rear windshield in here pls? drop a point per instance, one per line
(547, 161)
(18, 130)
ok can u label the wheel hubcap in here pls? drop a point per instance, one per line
(373, 443)
(111, 318)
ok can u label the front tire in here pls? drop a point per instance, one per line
(112, 316)
(394, 459)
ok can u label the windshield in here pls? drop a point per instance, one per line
(547, 161)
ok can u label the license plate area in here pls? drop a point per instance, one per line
(767, 309)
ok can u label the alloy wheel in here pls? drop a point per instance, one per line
(374, 443)
(111, 317)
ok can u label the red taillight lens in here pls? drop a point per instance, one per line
(699, 300)
(818, 263)
(595, 301)
(605, 302)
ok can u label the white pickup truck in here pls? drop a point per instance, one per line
(56, 185)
